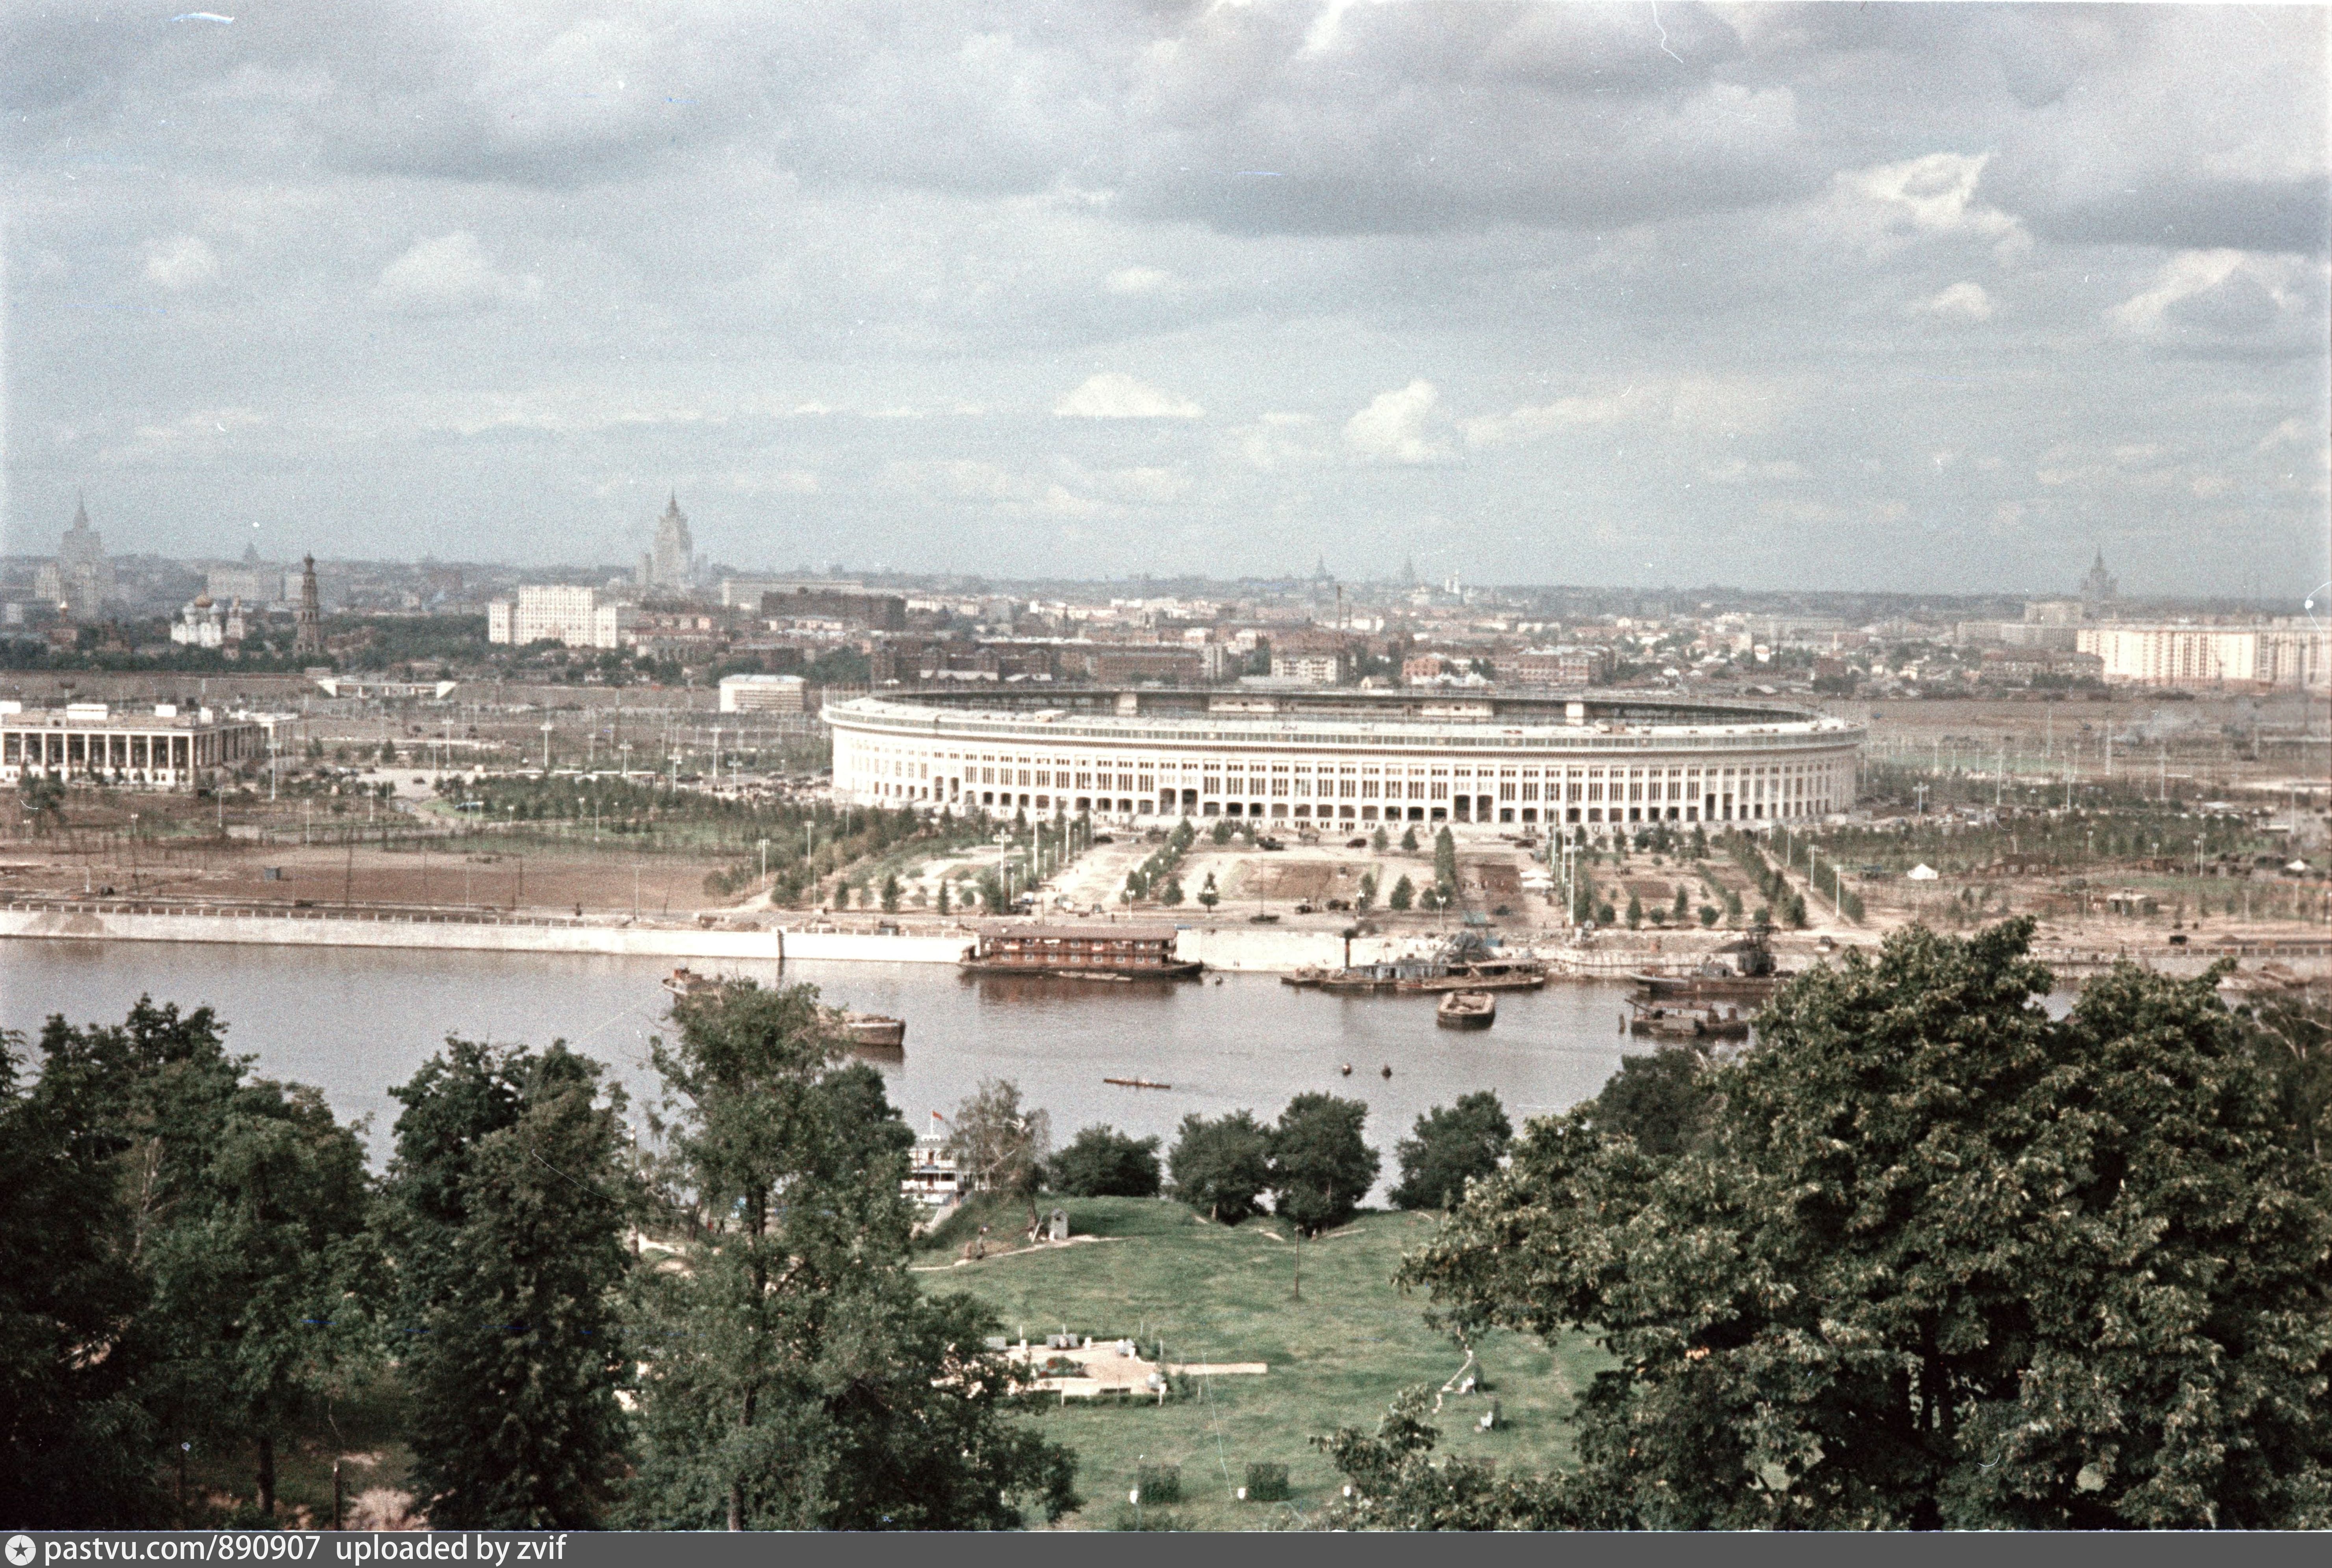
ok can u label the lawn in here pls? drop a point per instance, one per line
(1213, 1293)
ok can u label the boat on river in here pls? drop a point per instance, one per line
(1467, 963)
(1750, 975)
(863, 1031)
(1491, 974)
(684, 983)
(1466, 1010)
(1136, 1084)
(1671, 1020)
(873, 1031)
(1082, 953)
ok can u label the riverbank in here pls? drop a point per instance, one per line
(1234, 949)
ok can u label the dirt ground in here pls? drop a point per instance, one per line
(441, 876)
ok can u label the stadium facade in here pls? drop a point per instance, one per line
(1595, 759)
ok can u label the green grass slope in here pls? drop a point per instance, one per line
(1213, 1293)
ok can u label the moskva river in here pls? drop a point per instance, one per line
(355, 1021)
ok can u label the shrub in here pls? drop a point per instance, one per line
(1158, 1483)
(1404, 894)
(1267, 1482)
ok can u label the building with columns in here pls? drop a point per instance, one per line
(161, 750)
(1599, 760)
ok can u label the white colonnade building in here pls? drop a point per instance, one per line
(166, 748)
(1322, 758)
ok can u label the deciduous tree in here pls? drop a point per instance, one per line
(1221, 1166)
(1000, 1144)
(1939, 1259)
(1452, 1147)
(1321, 1167)
(504, 1213)
(795, 1377)
(1102, 1162)
(76, 1449)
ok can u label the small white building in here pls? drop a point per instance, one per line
(762, 694)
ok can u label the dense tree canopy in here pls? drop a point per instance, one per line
(1321, 1167)
(244, 1205)
(1462, 1143)
(1221, 1166)
(504, 1212)
(1101, 1161)
(1938, 1259)
(76, 1447)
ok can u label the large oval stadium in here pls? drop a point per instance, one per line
(1341, 756)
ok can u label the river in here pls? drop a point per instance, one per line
(354, 1021)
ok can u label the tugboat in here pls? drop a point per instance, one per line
(684, 983)
(1753, 977)
(1466, 1010)
(863, 1031)
(1667, 1020)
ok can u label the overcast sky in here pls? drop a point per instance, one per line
(1883, 296)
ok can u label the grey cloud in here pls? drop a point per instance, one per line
(693, 217)
(2292, 215)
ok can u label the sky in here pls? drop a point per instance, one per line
(1925, 298)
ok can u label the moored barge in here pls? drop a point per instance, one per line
(1082, 953)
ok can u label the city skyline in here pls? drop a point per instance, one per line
(1915, 299)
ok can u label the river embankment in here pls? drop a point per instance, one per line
(1221, 947)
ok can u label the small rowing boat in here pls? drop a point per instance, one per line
(1466, 1010)
(1136, 1084)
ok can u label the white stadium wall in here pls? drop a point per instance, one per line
(1345, 758)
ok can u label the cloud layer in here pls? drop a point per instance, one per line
(1523, 292)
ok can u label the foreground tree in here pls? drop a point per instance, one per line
(1662, 1100)
(1452, 1147)
(1102, 1162)
(1221, 1166)
(1321, 1167)
(2291, 1038)
(1939, 1260)
(76, 1451)
(794, 1376)
(503, 1213)
(247, 1217)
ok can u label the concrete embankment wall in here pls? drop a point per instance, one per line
(321, 930)
(1236, 949)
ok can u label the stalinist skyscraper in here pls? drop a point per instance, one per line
(671, 565)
